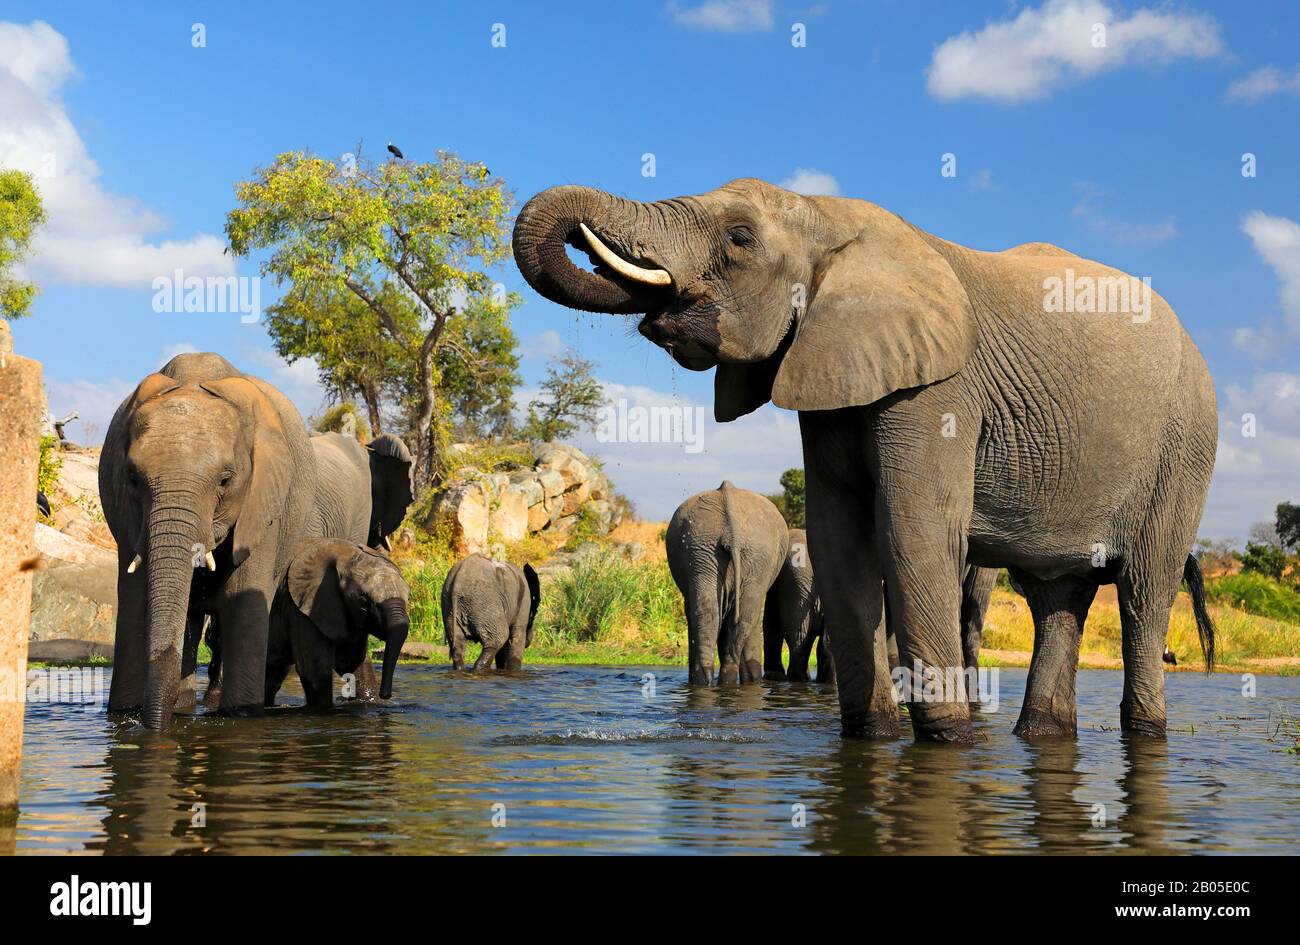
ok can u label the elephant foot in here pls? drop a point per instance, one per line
(826, 678)
(1131, 724)
(701, 676)
(940, 722)
(870, 725)
(1036, 723)
(775, 674)
(514, 665)
(750, 672)
(243, 711)
(187, 702)
(729, 675)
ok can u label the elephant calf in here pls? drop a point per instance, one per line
(793, 615)
(725, 549)
(493, 603)
(335, 595)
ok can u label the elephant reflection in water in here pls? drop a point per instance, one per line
(214, 786)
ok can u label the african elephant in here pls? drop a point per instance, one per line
(792, 615)
(341, 509)
(493, 603)
(954, 407)
(202, 467)
(725, 549)
(390, 487)
(335, 595)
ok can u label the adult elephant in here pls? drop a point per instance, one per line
(390, 486)
(725, 549)
(953, 407)
(202, 468)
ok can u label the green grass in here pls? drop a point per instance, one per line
(1256, 594)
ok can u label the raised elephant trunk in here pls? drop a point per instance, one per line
(396, 626)
(173, 535)
(611, 230)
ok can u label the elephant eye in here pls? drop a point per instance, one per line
(740, 236)
(225, 478)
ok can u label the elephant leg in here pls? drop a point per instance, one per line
(245, 623)
(841, 534)
(511, 656)
(923, 577)
(130, 639)
(486, 657)
(702, 628)
(317, 678)
(977, 589)
(772, 638)
(825, 663)
(1146, 595)
(456, 648)
(275, 676)
(212, 633)
(801, 650)
(746, 639)
(1059, 607)
(187, 702)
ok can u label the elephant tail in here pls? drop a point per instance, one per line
(1204, 626)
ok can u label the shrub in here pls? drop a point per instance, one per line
(1264, 559)
(47, 473)
(1256, 593)
(605, 595)
(333, 419)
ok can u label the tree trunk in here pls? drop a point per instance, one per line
(371, 397)
(424, 470)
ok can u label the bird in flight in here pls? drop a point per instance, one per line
(392, 149)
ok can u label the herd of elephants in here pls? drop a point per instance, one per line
(952, 423)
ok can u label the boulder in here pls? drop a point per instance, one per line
(68, 651)
(552, 483)
(74, 592)
(464, 508)
(508, 521)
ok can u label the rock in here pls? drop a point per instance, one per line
(552, 483)
(74, 593)
(576, 497)
(604, 513)
(527, 484)
(414, 650)
(508, 520)
(631, 550)
(539, 517)
(464, 508)
(68, 651)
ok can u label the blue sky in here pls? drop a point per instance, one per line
(1131, 155)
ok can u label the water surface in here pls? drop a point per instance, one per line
(585, 759)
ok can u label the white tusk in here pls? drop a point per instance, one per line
(620, 265)
(135, 563)
(212, 562)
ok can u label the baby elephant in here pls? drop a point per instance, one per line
(491, 602)
(335, 595)
(793, 615)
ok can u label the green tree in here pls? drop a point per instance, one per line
(21, 214)
(406, 239)
(791, 501)
(1288, 525)
(1264, 559)
(574, 398)
(480, 370)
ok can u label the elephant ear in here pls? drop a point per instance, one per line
(390, 485)
(534, 599)
(886, 312)
(313, 583)
(271, 469)
(113, 492)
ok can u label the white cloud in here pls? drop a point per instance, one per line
(752, 452)
(1252, 474)
(725, 16)
(982, 180)
(1046, 47)
(1277, 240)
(544, 344)
(299, 381)
(1120, 232)
(1264, 82)
(807, 181)
(92, 236)
(94, 401)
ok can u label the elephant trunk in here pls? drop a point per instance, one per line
(396, 625)
(173, 540)
(611, 230)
